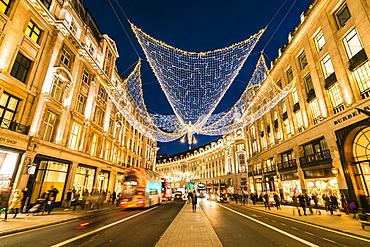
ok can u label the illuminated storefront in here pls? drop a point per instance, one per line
(291, 185)
(320, 186)
(119, 181)
(103, 180)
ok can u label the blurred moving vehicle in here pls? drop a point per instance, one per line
(223, 198)
(177, 195)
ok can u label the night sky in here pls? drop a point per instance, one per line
(198, 26)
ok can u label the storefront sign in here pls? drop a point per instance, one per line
(6, 140)
(366, 111)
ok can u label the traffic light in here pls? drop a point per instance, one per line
(191, 186)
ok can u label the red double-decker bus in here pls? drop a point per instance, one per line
(166, 190)
(141, 188)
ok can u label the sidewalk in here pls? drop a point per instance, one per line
(344, 223)
(29, 221)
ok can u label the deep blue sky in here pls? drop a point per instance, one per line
(195, 25)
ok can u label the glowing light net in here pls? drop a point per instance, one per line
(194, 83)
(194, 89)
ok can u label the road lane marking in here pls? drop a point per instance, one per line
(312, 225)
(100, 229)
(309, 233)
(273, 228)
(294, 228)
(329, 240)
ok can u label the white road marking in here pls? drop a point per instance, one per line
(100, 229)
(273, 228)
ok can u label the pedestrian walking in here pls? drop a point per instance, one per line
(308, 202)
(75, 199)
(316, 202)
(296, 204)
(109, 196)
(277, 201)
(334, 205)
(85, 198)
(327, 202)
(16, 202)
(68, 200)
(25, 200)
(4, 202)
(343, 201)
(266, 201)
(43, 201)
(194, 201)
(53, 196)
(302, 203)
(113, 197)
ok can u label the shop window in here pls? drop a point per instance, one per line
(361, 148)
(98, 116)
(21, 67)
(342, 15)
(46, 3)
(57, 89)
(362, 78)
(8, 164)
(51, 175)
(327, 66)
(33, 31)
(302, 60)
(4, 6)
(352, 43)
(8, 109)
(86, 77)
(49, 125)
(66, 57)
(319, 41)
(74, 138)
(81, 102)
(336, 98)
(84, 178)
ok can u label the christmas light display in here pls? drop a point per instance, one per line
(194, 84)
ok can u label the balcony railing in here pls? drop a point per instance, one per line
(14, 126)
(321, 157)
(287, 164)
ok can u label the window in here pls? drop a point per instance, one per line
(57, 89)
(80, 105)
(327, 66)
(302, 60)
(342, 15)
(319, 41)
(315, 111)
(46, 3)
(94, 145)
(21, 67)
(66, 57)
(102, 94)
(4, 6)
(295, 95)
(73, 27)
(289, 74)
(107, 151)
(86, 77)
(362, 77)
(74, 138)
(299, 118)
(108, 63)
(33, 31)
(309, 86)
(47, 129)
(352, 43)
(8, 109)
(335, 96)
(98, 116)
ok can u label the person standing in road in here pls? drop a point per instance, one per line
(16, 202)
(194, 201)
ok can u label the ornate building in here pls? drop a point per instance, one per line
(316, 140)
(58, 126)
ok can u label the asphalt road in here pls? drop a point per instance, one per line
(234, 225)
(139, 227)
(242, 226)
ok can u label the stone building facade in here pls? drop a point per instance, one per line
(316, 140)
(58, 126)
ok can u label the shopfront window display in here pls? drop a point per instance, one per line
(8, 163)
(320, 186)
(84, 178)
(291, 187)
